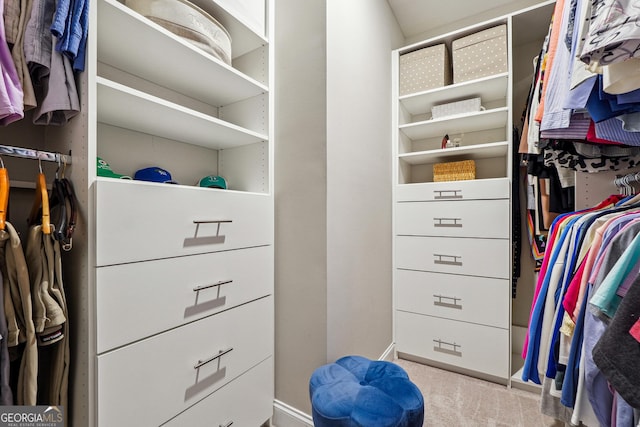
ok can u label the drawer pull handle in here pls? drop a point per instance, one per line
(221, 353)
(213, 285)
(452, 351)
(229, 424)
(447, 194)
(207, 240)
(447, 222)
(439, 302)
(447, 259)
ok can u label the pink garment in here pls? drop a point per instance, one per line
(591, 257)
(591, 136)
(635, 331)
(571, 296)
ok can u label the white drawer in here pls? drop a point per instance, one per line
(497, 188)
(153, 380)
(142, 221)
(468, 218)
(245, 401)
(167, 291)
(476, 257)
(466, 345)
(456, 297)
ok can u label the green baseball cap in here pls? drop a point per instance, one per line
(213, 181)
(105, 170)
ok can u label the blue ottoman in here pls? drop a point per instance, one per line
(355, 391)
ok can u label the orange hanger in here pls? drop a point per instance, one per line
(4, 194)
(41, 201)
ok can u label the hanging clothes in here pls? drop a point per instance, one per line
(18, 309)
(70, 26)
(50, 314)
(51, 72)
(6, 395)
(16, 14)
(591, 261)
(11, 94)
(613, 34)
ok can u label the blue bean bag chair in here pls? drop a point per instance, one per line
(358, 392)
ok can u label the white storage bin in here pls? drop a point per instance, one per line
(457, 107)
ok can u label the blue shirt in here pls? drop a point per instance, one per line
(70, 26)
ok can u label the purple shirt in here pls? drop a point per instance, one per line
(11, 106)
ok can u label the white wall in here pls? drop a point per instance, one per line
(360, 37)
(300, 197)
(333, 186)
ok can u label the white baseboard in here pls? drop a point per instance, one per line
(287, 416)
(389, 353)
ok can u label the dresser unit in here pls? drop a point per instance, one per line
(183, 297)
(452, 240)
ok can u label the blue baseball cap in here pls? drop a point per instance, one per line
(154, 174)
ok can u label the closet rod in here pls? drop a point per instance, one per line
(27, 153)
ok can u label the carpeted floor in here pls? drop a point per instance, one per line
(455, 400)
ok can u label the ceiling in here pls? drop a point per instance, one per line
(427, 17)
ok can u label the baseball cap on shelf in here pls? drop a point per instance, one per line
(213, 181)
(105, 170)
(154, 174)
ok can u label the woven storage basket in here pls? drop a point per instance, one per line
(454, 171)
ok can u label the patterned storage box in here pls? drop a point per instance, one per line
(457, 107)
(424, 69)
(481, 54)
(454, 171)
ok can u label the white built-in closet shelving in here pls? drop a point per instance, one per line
(452, 240)
(195, 263)
(169, 287)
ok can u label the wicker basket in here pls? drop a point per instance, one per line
(454, 171)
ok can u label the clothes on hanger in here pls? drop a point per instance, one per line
(581, 97)
(11, 104)
(51, 71)
(592, 257)
(35, 331)
(16, 15)
(45, 43)
(18, 310)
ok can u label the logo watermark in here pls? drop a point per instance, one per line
(31, 416)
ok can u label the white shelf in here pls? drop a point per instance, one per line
(481, 151)
(471, 122)
(149, 51)
(487, 88)
(517, 382)
(124, 107)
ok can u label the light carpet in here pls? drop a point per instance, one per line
(456, 400)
